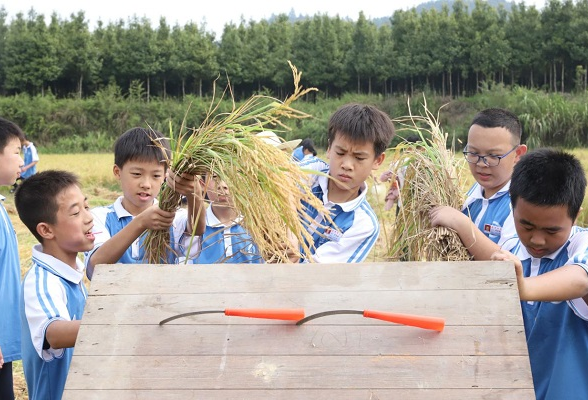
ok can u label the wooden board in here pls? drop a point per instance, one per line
(122, 352)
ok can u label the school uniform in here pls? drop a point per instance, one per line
(492, 216)
(111, 219)
(9, 289)
(51, 291)
(557, 332)
(30, 155)
(354, 231)
(298, 154)
(222, 243)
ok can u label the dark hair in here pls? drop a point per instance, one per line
(9, 130)
(308, 144)
(500, 118)
(140, 144)
(36, 198)
(547, 177)
(362, 123)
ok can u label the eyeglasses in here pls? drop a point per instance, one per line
(489, 160)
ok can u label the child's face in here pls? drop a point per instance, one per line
(140, 182)
(497, 142)
(72, 230)
(217, 191)
(10, 162)
(351, 163)
(542, 230)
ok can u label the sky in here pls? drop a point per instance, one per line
(214, 15)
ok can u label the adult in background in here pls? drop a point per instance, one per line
(31, 158)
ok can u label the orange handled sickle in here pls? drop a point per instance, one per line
(289, 314)
(419, 321)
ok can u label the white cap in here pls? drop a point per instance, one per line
(271, 138)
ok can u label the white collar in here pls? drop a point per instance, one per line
(351, 205)
(121, 211)
(478, 191)
(213, 221)
(57, 266)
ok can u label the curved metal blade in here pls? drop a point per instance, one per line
(189, 314)
(325, 313)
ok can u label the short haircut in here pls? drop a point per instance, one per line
(548, 177)
(140, 144)
(308, 144)
(36, 198)
(361, 123)
(500, 118)
(9, 130)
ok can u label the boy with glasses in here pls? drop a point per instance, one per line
(493, 148)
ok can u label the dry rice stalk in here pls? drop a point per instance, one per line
(267, 188)
(432, 178)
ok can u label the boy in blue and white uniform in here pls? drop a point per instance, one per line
(53, 208)
(358, 136)
(224, 239)
(551, 262)
(140, 165)
(31, 158)
(10, 167)
(493, 149)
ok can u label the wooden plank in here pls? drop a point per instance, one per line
(458, 307)
(293, 394)
(139, 279)
(299, 372)
(198, 340)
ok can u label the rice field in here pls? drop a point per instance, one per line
(95, 172)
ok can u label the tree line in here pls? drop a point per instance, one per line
(451, 52)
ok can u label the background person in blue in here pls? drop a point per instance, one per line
(53, 207)
(10, 164)
(224, 239)
(31, 158)
(494, 147)
(551, 263)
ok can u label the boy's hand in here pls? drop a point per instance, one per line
(504, 255)
(386, 176)
(184, 184)
(155, 218)
(448, 217)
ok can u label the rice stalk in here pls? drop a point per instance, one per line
(266, 187)
(433, 177)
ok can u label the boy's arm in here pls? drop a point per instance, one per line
(568, 282)
(474, 240)
(189, 186)
(62, 334)
(113, 249)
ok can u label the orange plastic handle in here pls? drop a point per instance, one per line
(290, 314)
(420, 321)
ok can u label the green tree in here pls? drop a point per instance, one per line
(363, 53)
(523, 33)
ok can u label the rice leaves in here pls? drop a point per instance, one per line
(433, 177)
(266, 187)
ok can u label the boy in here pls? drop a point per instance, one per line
(31, 158)
(224, 240)
(551, 262)
(493, 148)
(140, 165)
(358, 135)
(53, 208)
(10, 164)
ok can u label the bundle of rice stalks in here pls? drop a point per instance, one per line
(267, 188)
(433, 178)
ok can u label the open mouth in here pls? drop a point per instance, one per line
(91, 235)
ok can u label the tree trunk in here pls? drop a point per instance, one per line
(511, 77)
(450, 76)
(358, 85)
(477, 82)
(562, 76)
(200, 87)
(80, 82)
(411, 86)
(532, 82)
(183, 88)
(370, 85)
(148, 88)
(443, 85)
(164, 88)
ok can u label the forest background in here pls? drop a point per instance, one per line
(73, 89)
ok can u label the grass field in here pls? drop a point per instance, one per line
(95, 171)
